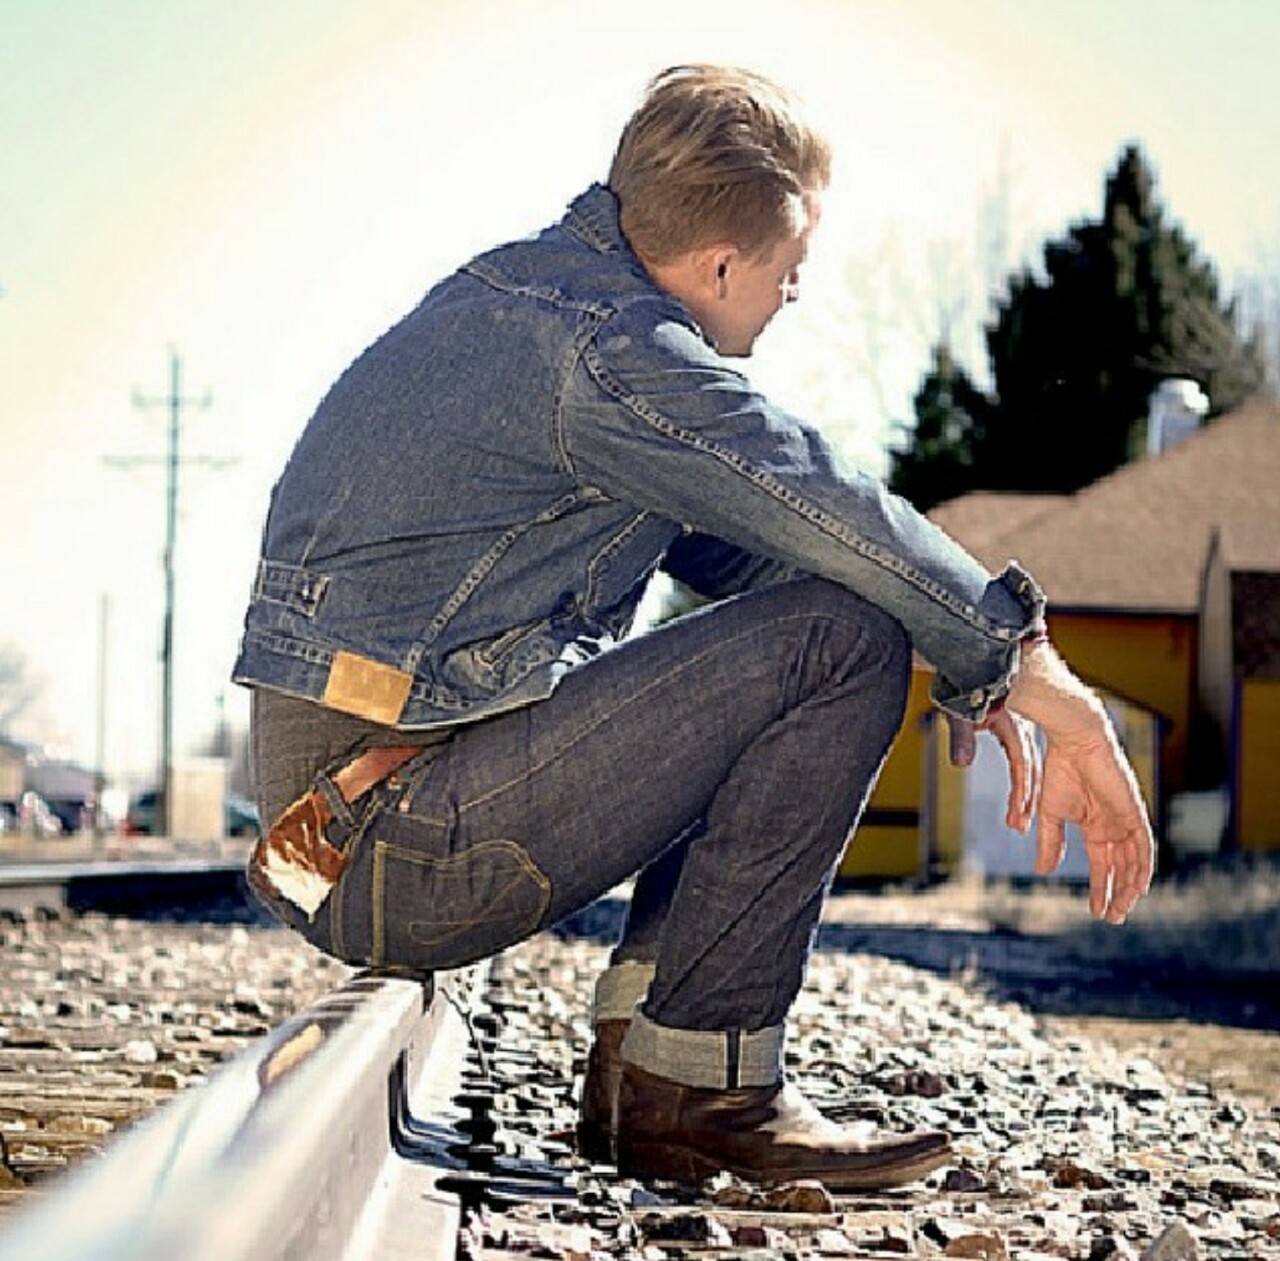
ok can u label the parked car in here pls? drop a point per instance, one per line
(241, 815)
(29, 815)
(75, 814)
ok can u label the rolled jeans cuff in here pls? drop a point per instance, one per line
(720, 1059)
(618, 989)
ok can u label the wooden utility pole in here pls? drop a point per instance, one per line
(174, 402)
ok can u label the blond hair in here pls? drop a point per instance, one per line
(714, 153)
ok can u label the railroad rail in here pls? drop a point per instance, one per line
(346, 1131)
(76, 876)
(372, 1123)
(311, 1143)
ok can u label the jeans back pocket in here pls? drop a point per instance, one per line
(440, 911)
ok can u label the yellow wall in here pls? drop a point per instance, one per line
(904, 820)
(1258, 798)
(893, 848)
(1140, 734)
(945, 797)
(1147, 660)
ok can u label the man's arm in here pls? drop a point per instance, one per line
(652, 416)
(1087, 780)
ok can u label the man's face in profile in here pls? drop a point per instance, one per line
(755, 290)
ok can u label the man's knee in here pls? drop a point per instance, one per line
(817, 636)
(888, 646)
(868, 631)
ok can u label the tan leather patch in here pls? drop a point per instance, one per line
(366, 688)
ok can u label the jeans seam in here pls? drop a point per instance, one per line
(655, 682)
(336, 897)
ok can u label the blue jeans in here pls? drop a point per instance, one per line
(725, 756)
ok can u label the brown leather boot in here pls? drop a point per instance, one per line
(766, 1135)
(599, 1092)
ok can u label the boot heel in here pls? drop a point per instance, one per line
(595, 1143)
(600, 1093)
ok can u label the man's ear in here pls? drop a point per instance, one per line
(720, 261)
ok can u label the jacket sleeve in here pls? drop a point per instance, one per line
(651, 414)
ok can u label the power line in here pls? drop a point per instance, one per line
(173, 461)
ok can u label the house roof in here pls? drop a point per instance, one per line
(1251, 546)
(1137, 539)
(984, 516)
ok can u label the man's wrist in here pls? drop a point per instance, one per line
(1047, 691)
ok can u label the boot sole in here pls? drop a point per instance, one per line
(665, 1162)
(669, 1162)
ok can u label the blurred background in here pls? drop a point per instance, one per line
(1049, 224)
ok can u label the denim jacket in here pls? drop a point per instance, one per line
(480, 500)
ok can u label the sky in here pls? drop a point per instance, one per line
(259, 188)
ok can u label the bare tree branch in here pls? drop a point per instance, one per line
(17, 688)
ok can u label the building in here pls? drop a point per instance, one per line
(1240, 677)
(13, 768)
(1163, 581)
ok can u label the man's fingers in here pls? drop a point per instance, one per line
(1035, 773)
(1015, 755)
(1051, 845)
(1021, 755)
(1133, 876)
(1102, 883)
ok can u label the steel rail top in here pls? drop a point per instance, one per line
(287, 1151)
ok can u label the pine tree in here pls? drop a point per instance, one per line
(951, 416)
(1125, 303)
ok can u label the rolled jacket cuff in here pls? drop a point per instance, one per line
(728, 1059)
(978, 701)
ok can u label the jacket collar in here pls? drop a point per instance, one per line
(593, 216)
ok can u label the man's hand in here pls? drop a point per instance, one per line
(1087, 781)
(1094, 787)
(1017, 738)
